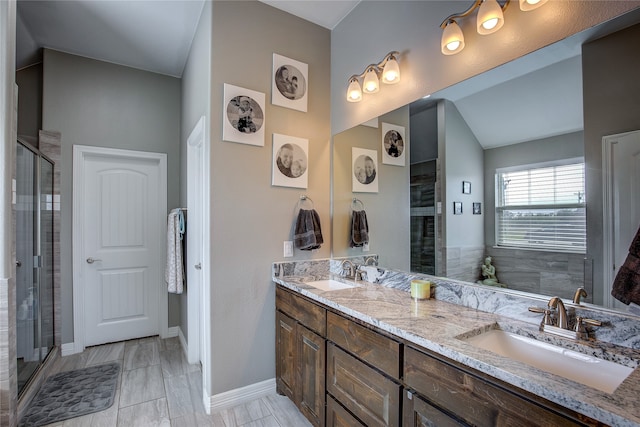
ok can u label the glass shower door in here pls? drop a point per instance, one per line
(34, 261)
(26, 274)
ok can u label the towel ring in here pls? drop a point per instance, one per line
(354, 203)
(304, 198)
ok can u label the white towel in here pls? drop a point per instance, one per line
(174, 270)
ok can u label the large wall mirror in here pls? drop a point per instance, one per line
(544, 112)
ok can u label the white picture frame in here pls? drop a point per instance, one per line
(289, 83)
(243, 114)
(394, 144)
(290, 161)
(364, 170)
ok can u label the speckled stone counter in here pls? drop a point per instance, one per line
(439, 324)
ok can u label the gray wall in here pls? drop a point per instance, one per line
(250, 219)
(424, 134)
(196, 98)
(461, 159)
(29, 81)
(542, 150)
(388, 210)
(611, 105)
(414, 29)
(540, 272)
(106, 105)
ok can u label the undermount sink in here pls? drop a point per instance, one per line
(588, 370)
(329, 285)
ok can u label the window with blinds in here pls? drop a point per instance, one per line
(542, 207)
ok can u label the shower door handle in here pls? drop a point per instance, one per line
(198, 266)
(92, 260)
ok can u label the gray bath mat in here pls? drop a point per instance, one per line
(72, 394)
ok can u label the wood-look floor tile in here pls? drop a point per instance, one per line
(153, 413)
(141, 354)
(184, 394)
(172, 343)
(198, 420)
(285, 411)
(269, 421)
(246, 413)
(174, 362)
(141, 385)
(105, 353)
(69, 363)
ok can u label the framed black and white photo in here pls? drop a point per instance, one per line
(477, 208)
(466, 187)
(393, 144)
(290, 161)
(289, 83)
(457, 208)
(243, 112)
(364, 170)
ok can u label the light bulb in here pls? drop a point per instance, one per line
(490, 17)
(354, 93)
(527, 5)
(391, 72)
(452, 39)
(370, 83)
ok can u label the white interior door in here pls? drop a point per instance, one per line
(119, 228)
(624, 172)
(194, 235)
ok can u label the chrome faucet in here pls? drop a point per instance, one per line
(350, 268)
(556, 302)
(580, 292)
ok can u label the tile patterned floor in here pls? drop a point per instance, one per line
(157, 387)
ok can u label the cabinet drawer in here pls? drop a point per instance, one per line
(309, 314)
(337, 416)
(367, 345)
(473, 400)
(418, 413)
(369, 395)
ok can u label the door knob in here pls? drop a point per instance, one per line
(198, 266)
(92, 260)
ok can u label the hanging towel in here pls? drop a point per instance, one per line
(174, 270)
(626, 286)
(308, 233)
(359, 229)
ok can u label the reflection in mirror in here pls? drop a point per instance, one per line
(550, 109)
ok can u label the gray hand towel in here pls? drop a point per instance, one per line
(626, 286)
(359, 229)
(308, 233)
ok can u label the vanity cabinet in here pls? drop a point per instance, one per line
(444, 388)
(417, 412)
(301, 354)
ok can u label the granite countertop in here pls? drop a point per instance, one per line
(438, 326)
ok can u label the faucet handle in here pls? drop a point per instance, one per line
(581, 330)
(546, 319)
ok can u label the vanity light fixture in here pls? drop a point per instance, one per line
(489, 19)
(387, 69)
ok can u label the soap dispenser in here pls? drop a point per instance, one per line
(23, 310)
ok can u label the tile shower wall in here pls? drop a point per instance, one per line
(546, 273)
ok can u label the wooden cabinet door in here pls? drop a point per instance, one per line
(285, 354)
(418, 413)
(369, 395)
(310, 387)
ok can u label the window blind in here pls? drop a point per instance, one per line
(542, 208)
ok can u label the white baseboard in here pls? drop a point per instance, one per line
(173, 331)
(69, 348)
(183, 341)
(238, 396)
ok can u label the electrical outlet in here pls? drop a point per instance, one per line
(288, 248)
(365, 247)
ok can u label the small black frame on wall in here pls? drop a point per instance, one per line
(457, 208)
(466, 187)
